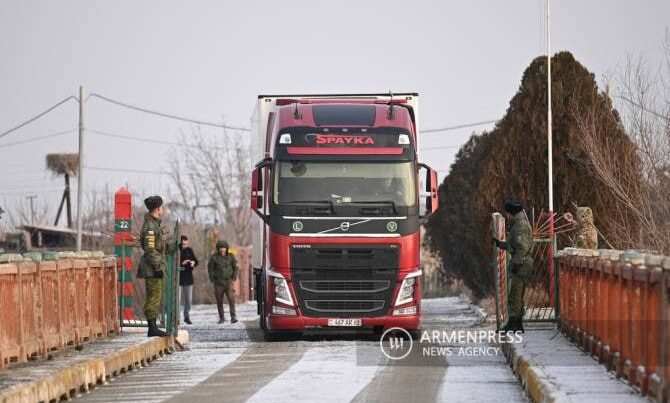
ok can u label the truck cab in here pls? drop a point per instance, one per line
(339, 193)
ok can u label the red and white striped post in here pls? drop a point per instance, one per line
(123, 212)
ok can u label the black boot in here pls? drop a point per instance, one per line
(518, 326)
(510, 326)
(154, 330)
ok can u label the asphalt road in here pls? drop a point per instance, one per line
(232, 363)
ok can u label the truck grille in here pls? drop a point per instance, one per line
(345, 286)
(343, 280)
(345, 306)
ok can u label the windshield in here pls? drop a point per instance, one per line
(344, 182)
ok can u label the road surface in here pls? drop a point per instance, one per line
(232, 363)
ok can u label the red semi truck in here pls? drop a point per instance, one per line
(340, 194)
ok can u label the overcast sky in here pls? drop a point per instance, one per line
(209, 59)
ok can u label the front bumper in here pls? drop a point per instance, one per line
(301, 323)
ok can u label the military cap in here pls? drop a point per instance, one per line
(513, 206)
(153, 202)
(221, 244)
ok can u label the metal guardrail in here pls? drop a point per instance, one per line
(615, 305)
(47, 305)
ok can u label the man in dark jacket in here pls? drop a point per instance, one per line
(187, 261)
(520, 244)
(152, 264)
(222, 269)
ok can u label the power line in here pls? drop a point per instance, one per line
(32, 191)
(21, 184)
(143, 140)
(438, 148)
(166, 115)
(46, 136)
(139, 171)
(24, 172)
(463, 126)
(121, 136)
(34, 118)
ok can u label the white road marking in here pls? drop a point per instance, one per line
(323, 374)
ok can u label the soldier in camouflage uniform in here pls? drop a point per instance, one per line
(520, 245)
(587, 234)
(152, 264)
(222, 269)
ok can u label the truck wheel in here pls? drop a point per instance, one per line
(270, 335)
(261, 322)
(260, 293)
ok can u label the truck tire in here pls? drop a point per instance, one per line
(270, 335)
(415, 334)
(260, 301)
(262, 323)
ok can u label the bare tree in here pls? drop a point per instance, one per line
(213, 170)
(639, 180)
(19, 213)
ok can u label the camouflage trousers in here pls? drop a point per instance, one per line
(517, 289)
(154, 288)
(219, 291)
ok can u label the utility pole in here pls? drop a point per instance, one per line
(553, 283)
(32, 209)
(80, 178)
(549, 121)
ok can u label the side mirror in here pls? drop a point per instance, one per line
(256, 202)
(257, 180)
(256, 199)
(433, 198)
(431, 191)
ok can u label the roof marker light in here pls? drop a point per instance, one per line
(403, 139)
(285, 138)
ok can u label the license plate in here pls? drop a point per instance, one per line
(345, 322)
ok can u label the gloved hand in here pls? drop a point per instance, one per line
(496, 241)
(159, 274)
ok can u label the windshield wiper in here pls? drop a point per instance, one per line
(378, 202)
(328, 202)
(312, 203)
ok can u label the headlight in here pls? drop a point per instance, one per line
(282, 311)
(282, 294)
(406, 293)
(405, 311)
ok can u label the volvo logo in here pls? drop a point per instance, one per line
(344, 226)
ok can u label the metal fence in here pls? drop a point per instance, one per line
(541, 294)
(47, 305)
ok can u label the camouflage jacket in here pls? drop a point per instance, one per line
(222, 269)
(520, 241)
(154, 247)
